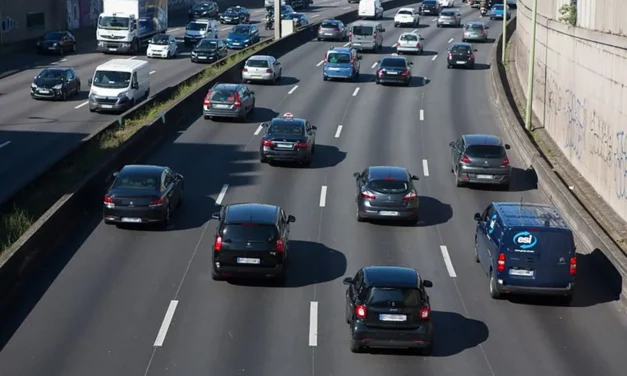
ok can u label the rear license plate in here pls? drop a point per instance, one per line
(284, 146)
(106, 106)
(131, 220)
(113, 49)
(389, 213)
(356, 44)
(249, 261)
(334, 69)
(257, 76)
(221, 105)
(44, 91)
(202, 57)
(328, 33)
(521, 272)
(484, 176)
(460, 62)
(391, 72)
(397, 318)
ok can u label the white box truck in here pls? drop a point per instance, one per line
(125, 26)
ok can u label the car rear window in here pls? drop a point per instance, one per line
(409, 37)
(251, 231)
(447, 13)
(498, 7)
(338, 58)
(286, 129)
(394, 297)
(485, 151)
(222, 95)
(549, 242)
(329, 25)
(142, 182)
(404, 12)
(388, 186)
(363, 30)
(460, 50)
(474, 27)
(257, 63)
(394, 63)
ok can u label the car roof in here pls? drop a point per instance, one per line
(392, 172)
(391, 276)
(226, 86)
(331, 20)
(366, 23)
(341, 49)
(393, 57)
(482, 139)
(475, 23)
(517, 214)
(260, 57)
(251, 213)
(122, 65)
(201, 20)
(142, 169)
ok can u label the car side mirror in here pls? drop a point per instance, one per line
(507, 147)
(348, 281)
(215, 215)
(411, 63)
(359, 57)
(414, 177)
(291, 219)
(451, 144)
(477, 217)
(265, 125)
(116, 174)
(475, 50)
(314, 127)
(356, 175)
(426, 283)
(89, 82)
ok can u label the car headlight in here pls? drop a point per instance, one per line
(194, 53)
(246, 41)
(58, 87)
(122, 97)
(33, 86)
(55, 44)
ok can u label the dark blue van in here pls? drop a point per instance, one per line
(526, 248)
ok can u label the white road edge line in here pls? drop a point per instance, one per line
(4, 144)
(153, 72)
(313, 324)
(165, 325)
(435, 57)
(320, 63)
(323, 196)
(82, 104)
(64, 59)
(293, 89)
(425, 167)
(355, 92)
(374, 65)
(451, 40)
(339, 131)
(347, 8)
(433, 20)
(221, 195)
(259, 129)
(314, 16)
(175, 29)
(422, 115)
(448, 262)
(226, 28)
(415, 31)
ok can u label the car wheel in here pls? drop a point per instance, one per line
(347, 314)
(377, 82)
(63, 95)
(263, 159)
(463, 40)
(355, 347)
(359, 217)
(426, 351)
(476, 252)
(166, 219)
(108, 222)
(74, 47)
(448, 66)
(92, 109)
(439, 25)
(458, 183)
(319, 39)
(215, 276)
(494, 294)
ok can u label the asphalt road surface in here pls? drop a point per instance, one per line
(138, 302)
(36, 134)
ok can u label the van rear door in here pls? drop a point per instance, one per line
(538, 257)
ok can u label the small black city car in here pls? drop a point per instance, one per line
(235, 15)
(204, 9)
(461, 55)
(251, 241)
(55, 83)
(388, 306)
(288, 139)
(143, 194)
(56, 42)
(209, 50)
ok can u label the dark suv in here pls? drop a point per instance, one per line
(387, 306)
(480, 158)
(251, 241)
(431, 7)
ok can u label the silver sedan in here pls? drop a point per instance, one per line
(262, 68)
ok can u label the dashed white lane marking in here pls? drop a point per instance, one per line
(374, 65)
(175, 29)
(153, 72)
(165, 325)
(314, 16)
(293, 90)
(259, 129)
(313, 324)
(414, 31)
(221, 195)
(448, 262)
(433, 20)
(393, 45)
(425, 167)
(226, 28)
(132, 57)
(323, 196)
(355, 92)
(347, 44)
(82, 104)
(450, 40)
(320, 63)
(339, 131)
(422, 115)
(435, 57)
(6, 143)
(347, 8)
(54, 63)
(62, 60)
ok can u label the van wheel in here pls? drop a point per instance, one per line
(494, 294)
(476, 252)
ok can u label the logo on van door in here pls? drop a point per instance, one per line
(525, 240)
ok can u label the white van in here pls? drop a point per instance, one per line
(370, 9)
(200, 29)
(118, 85)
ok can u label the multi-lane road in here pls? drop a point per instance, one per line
(35, 134)
(143, 302)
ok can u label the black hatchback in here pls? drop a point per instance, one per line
(461, 55)
(204, 9)
(388, 306)
(251, 240)
(209, 50)
(56, 42)
(288, 139)
(55, 83)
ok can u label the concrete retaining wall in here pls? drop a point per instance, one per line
(580, 96)
(608, 16)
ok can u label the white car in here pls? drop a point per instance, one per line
(406, 16)
(263, 69)
(162, 45)
(410, 43)
(446, 3)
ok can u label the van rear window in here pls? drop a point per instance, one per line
(520, 240)
(363, 30)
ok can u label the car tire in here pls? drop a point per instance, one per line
(355, 347)
(463, 40)
(319, 39)
(377, 82)
(63, 95)
(74, 47)
(448, 66)
(108, 222)
(567, 300)
(494, 294)
(476, 252)
(92, 109)
(427, 351)
(263, 159)
(166, 219)
(505, 187)
(359, 217)
(215, 276)
(458, 183)
(413, 220)
(439, 25)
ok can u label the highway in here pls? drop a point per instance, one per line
(140, 302)
(36, 134)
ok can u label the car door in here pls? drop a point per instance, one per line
(177, 186)
(360, 182)
(277, 67)
(245, 97)
(352, 294)
(70, 82)
(172, 46)
(255, 33)
(456, 153)
(167, 185)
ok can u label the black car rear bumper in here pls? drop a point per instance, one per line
(460, 63)
(393, 338)
(129, 215)
(253, 272)
(299, 155)
(227, 113)
(540, 291)
(394, 80)
(474, 178)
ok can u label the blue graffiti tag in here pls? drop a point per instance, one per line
(575, 124)
(7, 24)
(492, 223)
(525, 240)
(620, 166)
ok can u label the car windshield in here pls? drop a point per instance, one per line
(106, 22)
(485, 151)
(474, 27)
(362, 30)
(222, 96)
(338, 58)
(388, 186)
(286, 129)
(53, 36)
(329, 25)
(429, 3)
(51, 74)
(257, 63)
(241, 30)
(232, 11)
(407, 12)
(197, 26)
(393, 297)
(160, 40)
(249, 231)
(409, 37)
(498, 7)
(111, 79)
(140, 182)
(207, 44)
(393, 63)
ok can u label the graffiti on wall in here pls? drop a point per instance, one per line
(620, 166)
(89, 11)
(8, 24)
(575, 123)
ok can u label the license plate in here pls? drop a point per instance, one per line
(106, 106)
(52, 48)
(284, 146)
(389, 213)
(44, 91)
(397, 318)
(113, 49)
(131, 220)
(249, 261)
(484, 176)
(334, 69)
(257, 76)
(521, 272)
(202, 57)
(461, 62)
(356, 44)
(221, 105)
(235, 44)
(392, 72)
(328, 33)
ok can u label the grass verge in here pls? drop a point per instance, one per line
(35, 199)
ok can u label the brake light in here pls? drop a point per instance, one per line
(379, 72)
(361, 311)
(573, 266)
(280, 246)
(108, 200)
(217, 246)
(301, 145)
(425, 313)
(157, 202)
(350, 35)
(245, 69)
(268, 70)
(405, 73)
(374, 36)
(237, 103)
(368, 195)
(411, 196)
(465, 159)
(505, 162)
(500, 264)
(267, 143)
(207, 102)
(450, 55)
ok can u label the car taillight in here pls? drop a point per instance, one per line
(368, 195)
(350, 35)
(301, 145)
(280, 246)
(237, 103)
(207, 102)
(217, 246)
(425, 313)
(374, 36)
(505, 162)
(267, 143)
(268, 70)
(418, 44)
(361, 311)
(484, 32)
(573, 266)
(405, 73)
(379, 71)
(108, 200)
(157, 202)
(465, 159)
(500, 264)
(245, 69)
(450, 55)
(411, 196)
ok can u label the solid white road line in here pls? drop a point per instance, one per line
(415, 31)
(132, 57)
(175, 29)
(374, 65)
(82, 104)
(153, 72)
(54, 63)
(313, 324)
(450, 40)
(314, 16)
(435, 57)
(62, 60)
(339, 131)
(347, 8)
(425, 167)
(448, 262)
(323, 196)
(347, 44)
(433, 20)
(220, 198)
(165, 325)
(4, 144)
(226, 28)
(355, 92)
(320, 63)
(293, 89)
(422, 115)
(258, 130)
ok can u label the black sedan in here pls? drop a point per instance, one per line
(394, 70)
(55, 83)
(143, 194)
(205, 9)
(235, 15)
(288, 139)
(209, 51)
(56, 42)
